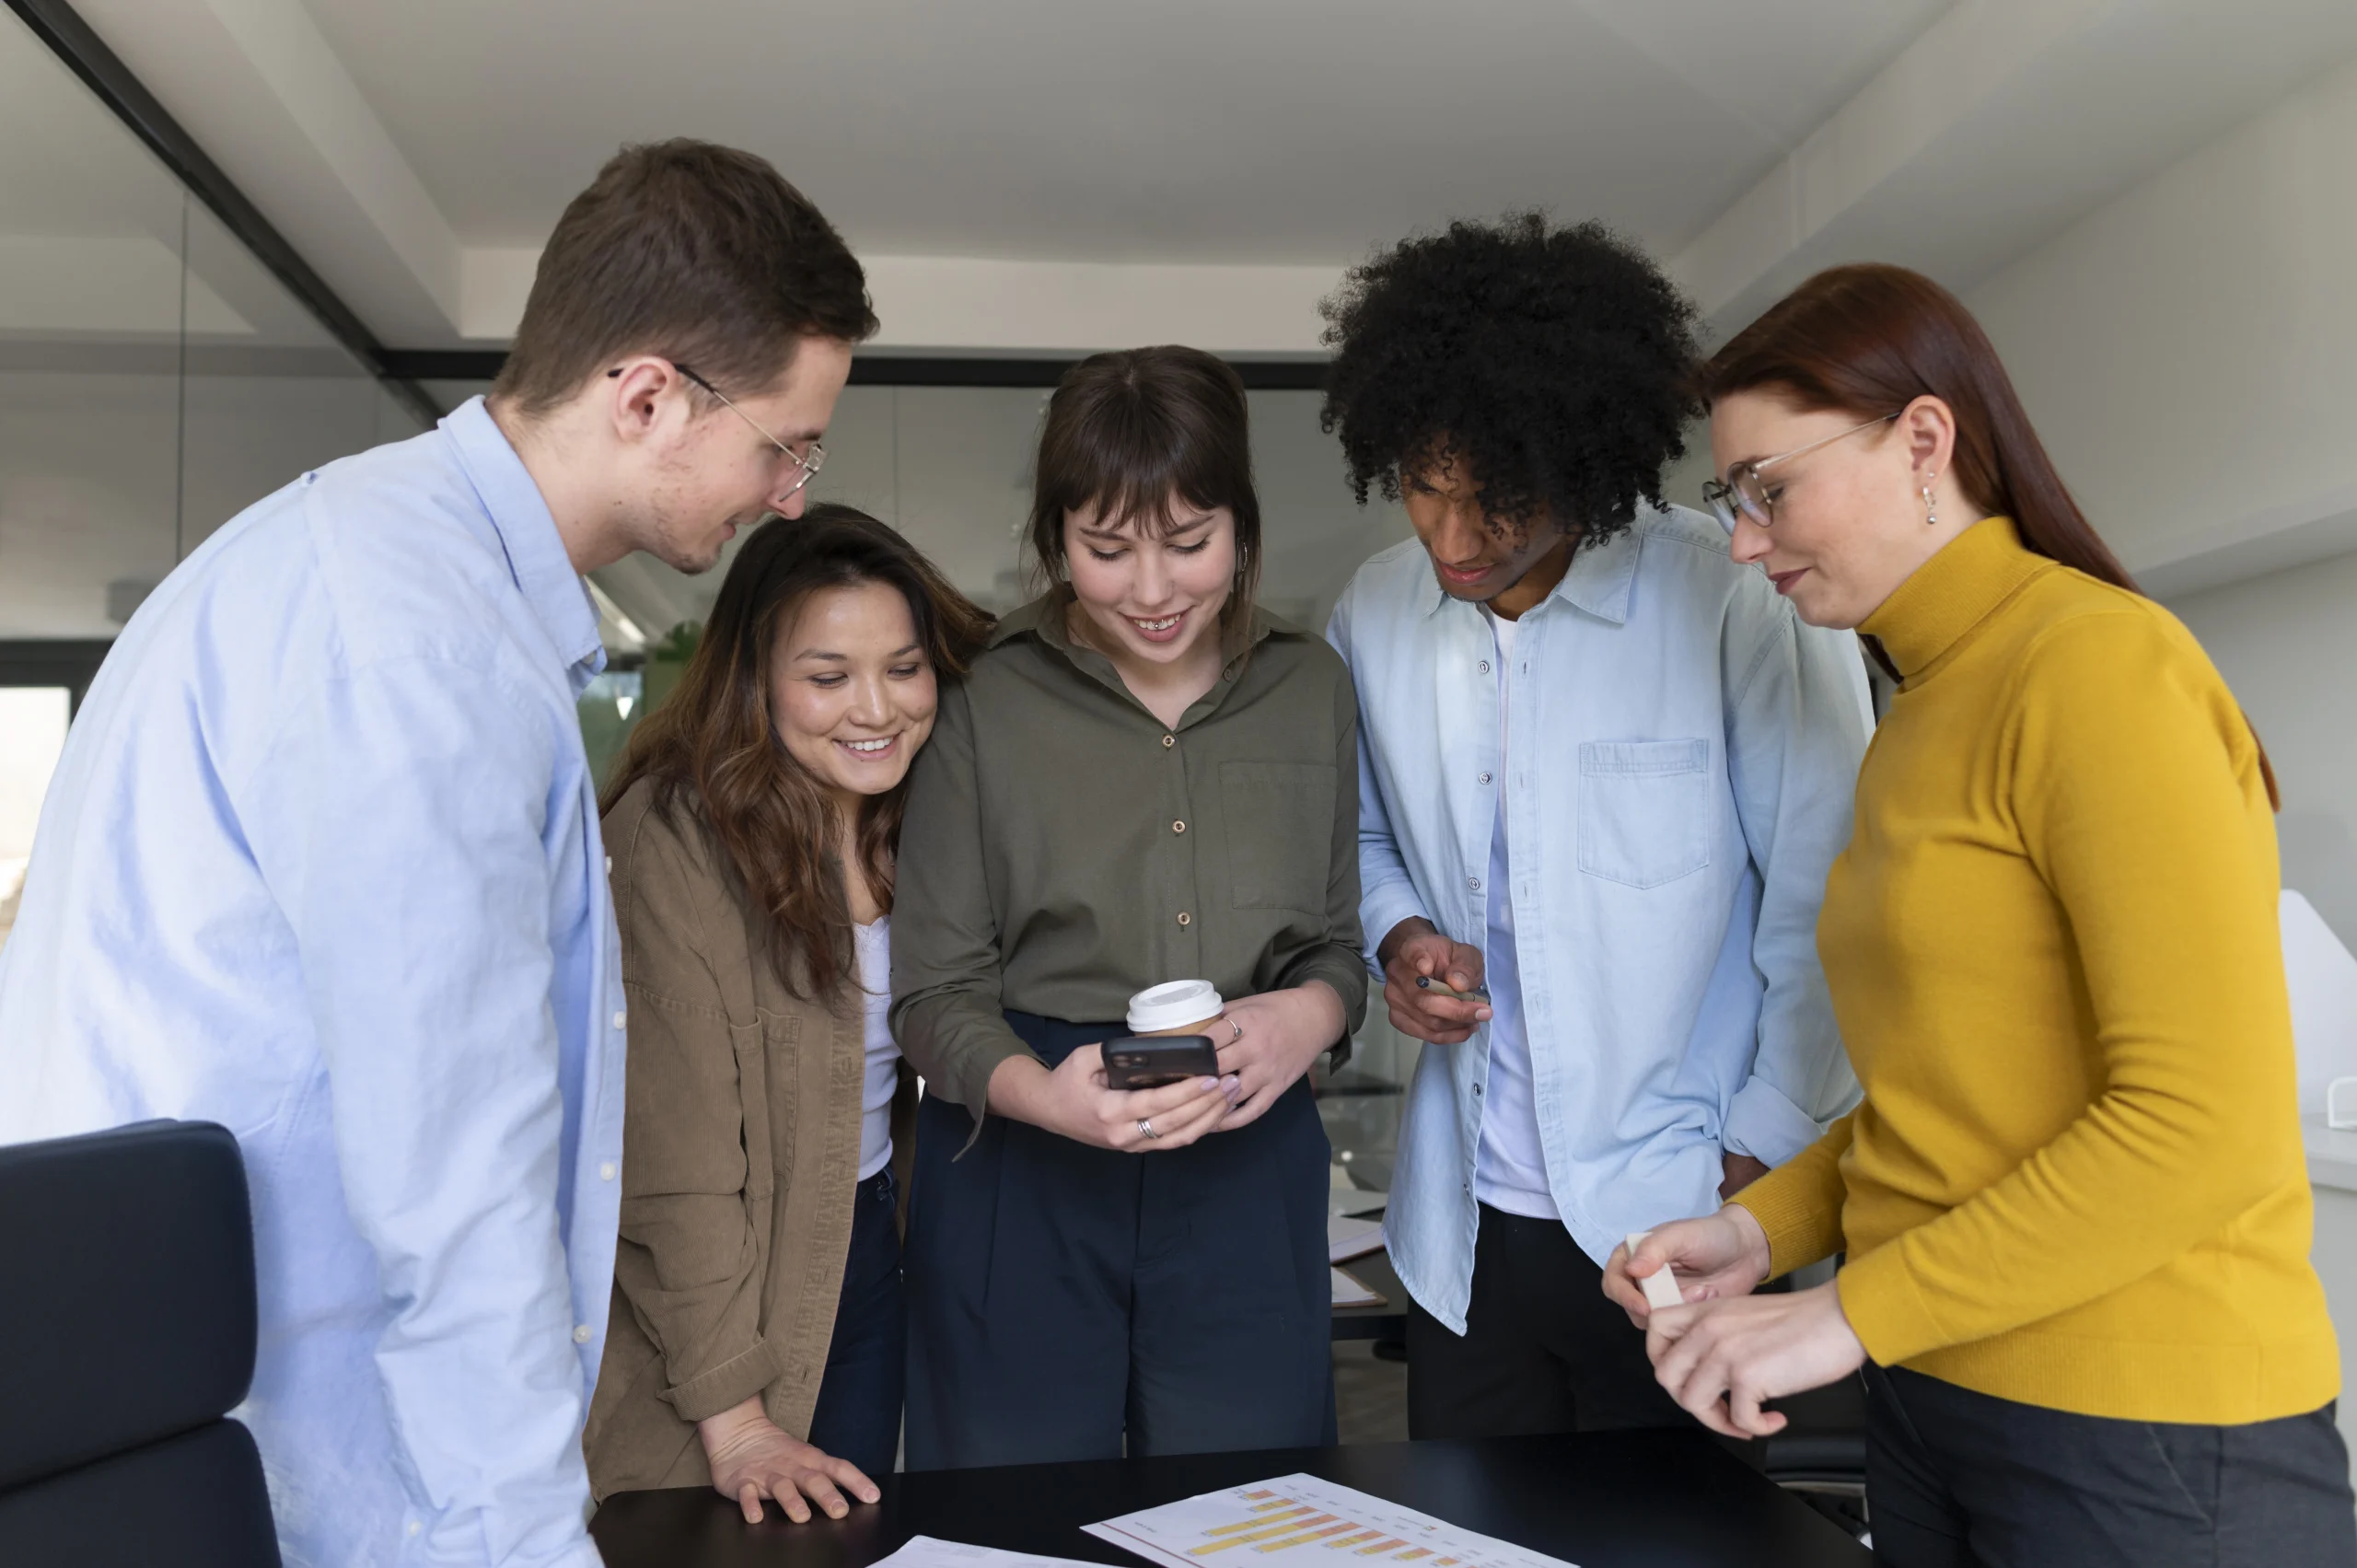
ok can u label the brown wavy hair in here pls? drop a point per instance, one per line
(1868, 340)
(713, 755)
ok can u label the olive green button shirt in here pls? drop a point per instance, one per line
(1063, 849)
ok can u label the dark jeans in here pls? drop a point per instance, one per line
(1543, 1351)
(858, 1416)
(1957, 1479)
(1067, 1302)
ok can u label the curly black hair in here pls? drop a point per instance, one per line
(1555, 364)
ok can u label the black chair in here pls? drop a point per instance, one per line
(126, 1335)
(1821, 1455)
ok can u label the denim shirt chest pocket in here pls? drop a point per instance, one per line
(1645, 809)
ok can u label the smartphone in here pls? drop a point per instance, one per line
(1148, 1061)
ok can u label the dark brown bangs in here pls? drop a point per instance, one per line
(1127, 433)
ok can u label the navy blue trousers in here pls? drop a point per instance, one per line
(1073, 1303)
(858, 1417)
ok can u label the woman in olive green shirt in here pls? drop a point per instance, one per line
(1145, 779)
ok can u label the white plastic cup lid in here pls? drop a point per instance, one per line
(1169, 1006)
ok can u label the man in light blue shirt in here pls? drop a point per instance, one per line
(1604, 772)
(321, 863)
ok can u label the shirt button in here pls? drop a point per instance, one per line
(1178, 827)
(1186, 919)
(606, 1172)
(610, 865)
(1476, 1091)
(1474, 883)
(1485, 667)
(1485, 778)
(415, 1527)
(581, 1333)
(619, 1019)
(1169, 741)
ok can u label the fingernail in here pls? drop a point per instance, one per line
(1207, 1085)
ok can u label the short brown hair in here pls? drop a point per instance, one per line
(1127, 430)
(700, 253)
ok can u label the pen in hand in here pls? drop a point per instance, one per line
(1442, 988)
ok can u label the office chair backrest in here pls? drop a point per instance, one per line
(126, 1334)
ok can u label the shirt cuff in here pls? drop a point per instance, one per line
(726, 1386)
(1764, 1125)
(1339, 968)
(1886, 1309)
(973, 1085)
(1382, 909)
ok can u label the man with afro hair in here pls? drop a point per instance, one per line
(1603, 772)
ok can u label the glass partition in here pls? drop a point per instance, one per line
(154, 380)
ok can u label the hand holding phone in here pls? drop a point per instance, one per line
(1148, 1061)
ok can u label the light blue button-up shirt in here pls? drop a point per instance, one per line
(321, 863)
(1683, 755)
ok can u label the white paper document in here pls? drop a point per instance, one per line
(1348, 1291)
(923, 1552)
(1348, 1237)
(1302, 1521)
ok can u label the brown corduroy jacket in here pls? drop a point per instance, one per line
(740, 1157)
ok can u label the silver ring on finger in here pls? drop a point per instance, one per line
(1237, 1028)
(1145, 1125)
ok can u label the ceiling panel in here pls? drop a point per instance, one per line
(1218, 130)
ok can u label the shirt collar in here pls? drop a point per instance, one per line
(1952, 593)
(1600, 580)
(535, 557)
(1044, 618)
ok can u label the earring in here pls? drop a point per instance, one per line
(1931, 517)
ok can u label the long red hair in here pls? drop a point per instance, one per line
(1870, 339)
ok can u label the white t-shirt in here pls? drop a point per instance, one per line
(875, 942)
(1510, 1171)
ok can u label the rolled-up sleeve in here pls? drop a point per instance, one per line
(1796, 732)
(399, 823)
(945, 1008)
(1387, 891)
(688, 1260)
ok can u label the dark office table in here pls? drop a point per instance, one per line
(1600, 1500)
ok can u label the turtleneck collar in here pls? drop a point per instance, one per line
(1952, 593)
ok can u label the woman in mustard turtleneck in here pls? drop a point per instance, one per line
(2074, 1202)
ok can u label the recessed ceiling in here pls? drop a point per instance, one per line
(1263, 131)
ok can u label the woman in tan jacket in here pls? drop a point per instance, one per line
(758, 1327)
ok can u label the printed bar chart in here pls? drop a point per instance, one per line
(1305, 1521)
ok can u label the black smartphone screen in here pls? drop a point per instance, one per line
(1145, 1062)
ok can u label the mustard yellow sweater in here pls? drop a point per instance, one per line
(2076, 1179)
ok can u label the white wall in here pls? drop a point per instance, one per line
(2287, 644)
(2185, 350)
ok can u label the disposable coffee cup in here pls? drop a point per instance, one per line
(1177, 1007)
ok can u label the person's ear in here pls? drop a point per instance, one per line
(1928, 426)
(639, 396)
